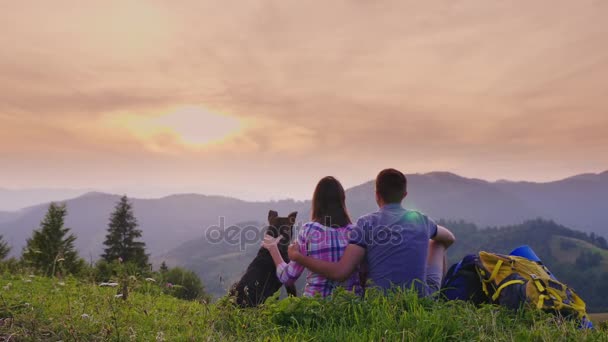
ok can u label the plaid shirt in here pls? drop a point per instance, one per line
(320, 242)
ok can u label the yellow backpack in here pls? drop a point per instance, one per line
(515, 281)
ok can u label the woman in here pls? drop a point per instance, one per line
(325, 238)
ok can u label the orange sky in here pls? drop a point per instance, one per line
(259, 99)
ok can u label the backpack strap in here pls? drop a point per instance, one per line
(495, 271)
(502, 287)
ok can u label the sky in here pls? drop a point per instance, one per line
(260, 99)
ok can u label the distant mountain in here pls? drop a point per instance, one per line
(166, 222)
(580, 202)
(5, 216)
(11, 200)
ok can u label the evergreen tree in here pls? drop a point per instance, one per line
(4, 248)
(51, 248)
(164, 268)
(121, 240)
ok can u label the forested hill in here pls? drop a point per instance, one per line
(576, 258)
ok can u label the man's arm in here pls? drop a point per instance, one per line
(444, 237)
(338, 271)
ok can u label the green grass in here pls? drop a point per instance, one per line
(40, 309)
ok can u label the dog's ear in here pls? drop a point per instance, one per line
(272, 214)
(292, 217)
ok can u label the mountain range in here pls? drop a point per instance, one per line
(579, 202)
(13, 199)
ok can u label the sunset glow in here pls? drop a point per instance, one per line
(191, 126)
(187, 95)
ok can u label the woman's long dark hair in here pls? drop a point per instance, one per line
(329, 204)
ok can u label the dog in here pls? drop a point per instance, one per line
(260, 280)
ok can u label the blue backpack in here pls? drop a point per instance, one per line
(462, 282)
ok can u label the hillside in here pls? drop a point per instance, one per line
(578, 202)
(218, 264)
(43, 309)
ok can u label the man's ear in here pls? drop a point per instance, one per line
(292, 217)
(272, 214)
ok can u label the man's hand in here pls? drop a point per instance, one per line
(294, 252)
(338, 271)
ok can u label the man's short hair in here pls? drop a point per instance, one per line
(391, 185)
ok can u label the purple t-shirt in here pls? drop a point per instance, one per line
(397, 244)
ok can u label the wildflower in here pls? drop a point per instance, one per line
(133, 278)
(160, 336)
(120, 260)
(27, 305)
(85, 316)
(150, 280)
(28, 280)
(61, 283)
(108, 284)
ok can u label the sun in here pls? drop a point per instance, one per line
(197, 126)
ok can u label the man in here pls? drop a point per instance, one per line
(401, 247)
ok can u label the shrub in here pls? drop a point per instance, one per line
(184, 284)
(10, 266)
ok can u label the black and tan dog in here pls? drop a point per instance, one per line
(260, 280)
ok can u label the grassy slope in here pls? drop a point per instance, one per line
(45, 309)
(569, 256)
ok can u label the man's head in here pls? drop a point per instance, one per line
(391, 187)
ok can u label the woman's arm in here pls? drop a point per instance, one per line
(271, 244)
(287, 273)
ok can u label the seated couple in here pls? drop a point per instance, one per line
(393, 246)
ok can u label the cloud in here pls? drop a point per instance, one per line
(418, 85)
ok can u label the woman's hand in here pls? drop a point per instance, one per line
(271, 243)
(294, 252)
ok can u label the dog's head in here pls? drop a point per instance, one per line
(281, 225)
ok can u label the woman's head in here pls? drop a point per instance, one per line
(329, 203)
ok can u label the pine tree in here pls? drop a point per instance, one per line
(51, 248)
(121, 240)
(4, 248)
(164, 268)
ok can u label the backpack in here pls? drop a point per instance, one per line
(511, 281)
(517, 282)
(462, 282)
